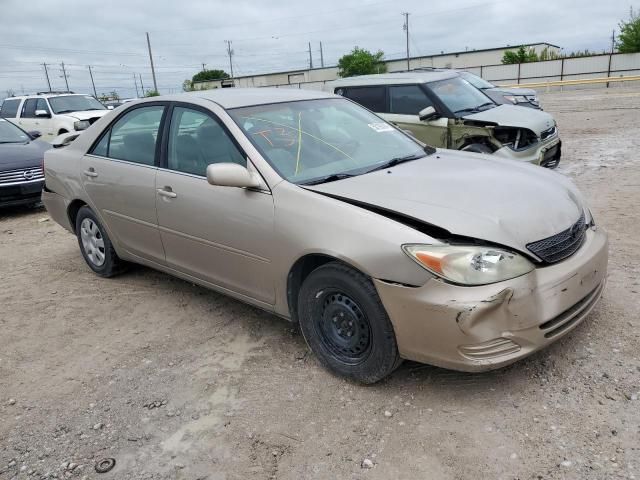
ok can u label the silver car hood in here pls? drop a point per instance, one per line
(514, 116)
(472, 195)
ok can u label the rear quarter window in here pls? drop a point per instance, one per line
(10, 108)
(372, 98)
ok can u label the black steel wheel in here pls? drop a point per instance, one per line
(345, 324)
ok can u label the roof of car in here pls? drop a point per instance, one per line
(244, 97)
(46, 95)
(396, 78)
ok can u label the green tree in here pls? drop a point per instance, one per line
(151, 93)
(361, 62)
(521, 55)
(187, 86)
(629, 38)
(207, 75)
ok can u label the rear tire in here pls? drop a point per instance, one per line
(345, 324)
(95, 245)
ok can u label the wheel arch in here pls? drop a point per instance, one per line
(301, 269)
(72, 211)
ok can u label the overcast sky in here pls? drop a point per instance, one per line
(267, 35)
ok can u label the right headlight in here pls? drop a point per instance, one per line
(469, 264)
(81, 125)
(516, 98)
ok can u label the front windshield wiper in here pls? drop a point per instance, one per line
(467, 110)
(328, 178)
(398, 160)
(65, 111)
(487, 104)
(87, 109)
(17, 141)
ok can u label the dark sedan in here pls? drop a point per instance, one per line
(21, 173)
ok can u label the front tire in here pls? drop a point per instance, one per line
(95, 245)
(345, 324)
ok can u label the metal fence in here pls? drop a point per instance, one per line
(578, 68)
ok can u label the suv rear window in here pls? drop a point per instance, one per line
(10, 108)
(372, 98)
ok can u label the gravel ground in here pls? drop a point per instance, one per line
(177, 382)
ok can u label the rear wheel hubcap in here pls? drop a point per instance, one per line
(92, 242)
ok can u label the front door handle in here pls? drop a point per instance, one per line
(91, 173)
(167, 192)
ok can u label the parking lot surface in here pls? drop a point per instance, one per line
(177, 382)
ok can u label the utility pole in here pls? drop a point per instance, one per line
(310, 57)
(64, 73)
(613, 40)
(203, 66)
(153, 70)
(230, 53)
(135, 81)
(46, 74)
(92, 82)
(321, 56)
(141, 84)
(406, 29)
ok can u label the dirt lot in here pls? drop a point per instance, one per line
(239, 397)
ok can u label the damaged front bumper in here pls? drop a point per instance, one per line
(490, 326)
(546, 154)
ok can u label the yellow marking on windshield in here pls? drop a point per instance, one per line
(299, 142)
(301, 132)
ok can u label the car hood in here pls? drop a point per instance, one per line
(513, 116)
(514, 91)
(86, 115)
(22, 155)
(471, 195)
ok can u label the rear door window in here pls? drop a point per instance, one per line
(133, 137)
(408, 100)
(10, 108)
(29, 108)
(372, 98)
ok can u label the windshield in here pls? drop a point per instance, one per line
(476, 81)
(74, 103)
(9, 133)
(314, 139)
(459, 96)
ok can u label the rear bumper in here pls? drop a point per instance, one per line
(487, 327)
(21, 193)
(57, 206)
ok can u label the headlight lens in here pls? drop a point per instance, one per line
(81, 124)
(468, 264)
(516, 98)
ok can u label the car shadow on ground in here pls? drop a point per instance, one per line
(20, 210)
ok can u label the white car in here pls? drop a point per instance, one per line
(52, 113)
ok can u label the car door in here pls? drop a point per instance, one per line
(222, 235)
(405, 101)
(28, 120)
(44, 124)
(119, 176)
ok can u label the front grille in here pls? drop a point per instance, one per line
(561, 245)
(550, 132)
(21, 175)
(94, 120)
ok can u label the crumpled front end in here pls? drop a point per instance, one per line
(487, 327)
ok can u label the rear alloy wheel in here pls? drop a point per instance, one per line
(345, 325)
(95, 245)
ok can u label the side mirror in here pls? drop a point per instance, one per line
(42, 113)
(427, 113)
(231, 175)
(34, 134)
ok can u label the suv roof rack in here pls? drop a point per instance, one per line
(54, 91)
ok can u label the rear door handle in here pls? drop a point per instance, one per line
(167, 192)
(91, 173)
